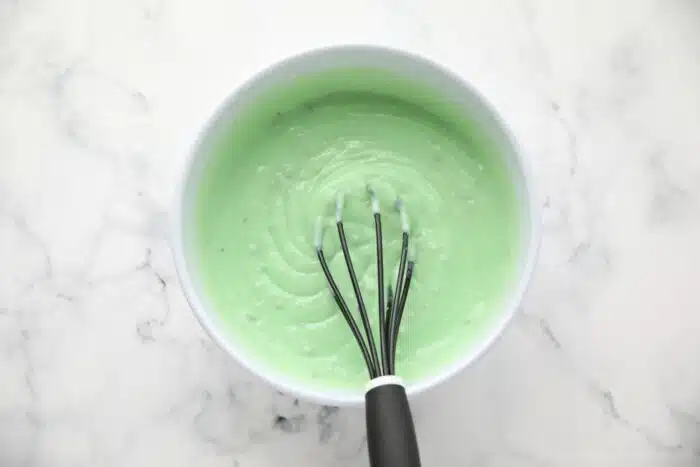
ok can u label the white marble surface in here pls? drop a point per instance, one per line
(101, 361)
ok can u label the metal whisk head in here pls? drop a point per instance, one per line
(390, 310)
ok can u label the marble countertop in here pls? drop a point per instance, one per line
(103, 364)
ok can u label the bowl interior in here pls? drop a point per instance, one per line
(429, 74)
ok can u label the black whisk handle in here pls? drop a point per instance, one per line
(391, 437)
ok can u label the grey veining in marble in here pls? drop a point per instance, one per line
(101, 362)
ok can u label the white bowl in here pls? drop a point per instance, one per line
(324, 59)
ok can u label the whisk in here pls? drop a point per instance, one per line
(391, 437)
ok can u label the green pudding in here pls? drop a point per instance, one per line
(281, 162)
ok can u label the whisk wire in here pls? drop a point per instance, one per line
(383, 341)
(392, 329)
(338, 297)
(356, 285)
(404, 295)
(390, 314)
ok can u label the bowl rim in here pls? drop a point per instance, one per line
(528, 200)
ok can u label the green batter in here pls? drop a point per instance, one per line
(282, 162)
